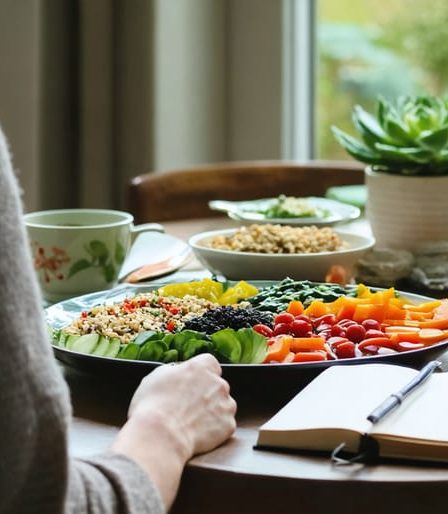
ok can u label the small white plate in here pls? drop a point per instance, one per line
(338, 212)
(264, 266)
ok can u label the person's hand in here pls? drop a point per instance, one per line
(177, 411)
(192, 399)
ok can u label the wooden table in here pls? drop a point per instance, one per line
(237, 479)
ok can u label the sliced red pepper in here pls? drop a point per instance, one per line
(170, 325)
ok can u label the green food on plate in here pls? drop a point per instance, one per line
(292, 207)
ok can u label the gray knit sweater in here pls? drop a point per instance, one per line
(36, 474)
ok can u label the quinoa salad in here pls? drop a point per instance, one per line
(146, 311)
(279, 239)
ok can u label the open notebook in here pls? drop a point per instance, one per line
(333, 409)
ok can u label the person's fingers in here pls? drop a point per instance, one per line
(206, 360)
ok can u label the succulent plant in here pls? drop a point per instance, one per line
(408, 137)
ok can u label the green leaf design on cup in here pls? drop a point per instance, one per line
(78, 266)
(120, 253)
(98, 249)
(100, 257)
(109, 272)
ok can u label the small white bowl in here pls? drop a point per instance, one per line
(265, 266)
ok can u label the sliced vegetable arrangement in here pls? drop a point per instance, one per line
(290, 321)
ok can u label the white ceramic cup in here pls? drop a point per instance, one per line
(79, 251)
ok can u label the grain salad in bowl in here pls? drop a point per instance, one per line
(278, 239)
(272, 252)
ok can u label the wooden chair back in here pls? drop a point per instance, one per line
(185, 193)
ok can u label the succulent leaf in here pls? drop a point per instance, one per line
(369, 128)
(408, 136)
(356, 149)
(434, 141)
(403, 154)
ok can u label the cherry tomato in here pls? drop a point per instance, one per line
(303, 317)
(283, 317)
(374, 333)
(300, 327)
(369, 324)
(264, 330)
(346, 322)
(337, 330)
(323, 326)
(356, 333)
(328, 319)
(345, 350)
(281, 328)
(336, 341)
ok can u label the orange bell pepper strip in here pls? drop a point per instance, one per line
(419, 316)
(302, 344)
(316, 309)
(295, 307)
(423, 307)
(392, 311)
(368, 311)
(279, 349)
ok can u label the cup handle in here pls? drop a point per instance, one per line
(145, 227)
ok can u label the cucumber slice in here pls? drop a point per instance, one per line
(114, 348)
(102, 347)
(70, 341)
(61, 341)
(86, 343)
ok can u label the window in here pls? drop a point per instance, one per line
(352, 51)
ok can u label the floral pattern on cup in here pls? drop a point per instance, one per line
(99, 256)
(49, 262)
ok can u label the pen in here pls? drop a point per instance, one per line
(396, 399)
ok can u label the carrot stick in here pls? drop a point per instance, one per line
(301, 344)
(435, 323)
(432, 335)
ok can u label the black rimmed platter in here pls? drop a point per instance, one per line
(267, 381)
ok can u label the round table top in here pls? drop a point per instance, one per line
(240, 479)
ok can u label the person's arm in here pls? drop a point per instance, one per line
(186, 408)
(142, 470)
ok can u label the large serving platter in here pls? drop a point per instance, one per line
(269, 379)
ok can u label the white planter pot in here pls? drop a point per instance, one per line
(406, 211)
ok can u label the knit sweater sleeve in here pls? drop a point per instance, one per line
(36, 473)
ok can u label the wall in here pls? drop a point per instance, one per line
(19, 58)
(190, 82)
